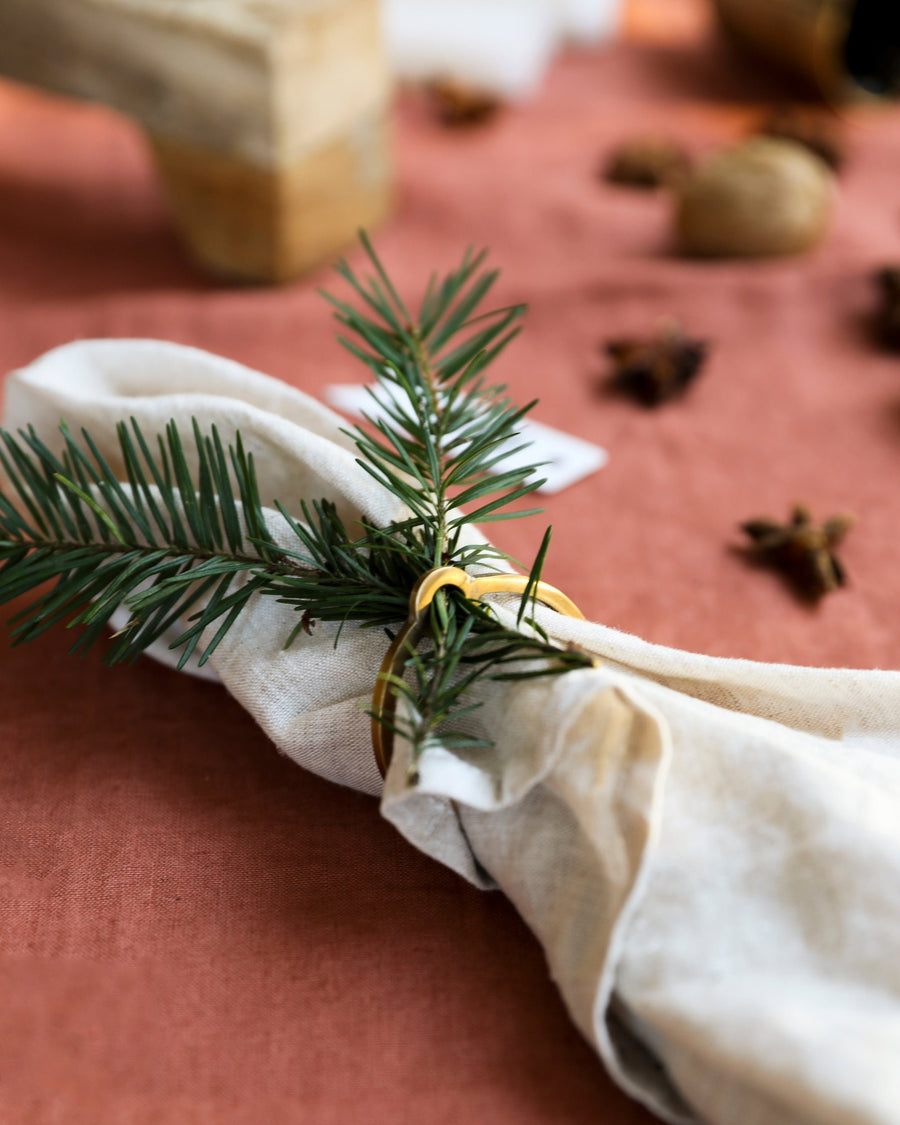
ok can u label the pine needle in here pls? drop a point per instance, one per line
(175, 544)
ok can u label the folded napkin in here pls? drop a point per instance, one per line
(708, 850)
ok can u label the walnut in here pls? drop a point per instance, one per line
(764, 197)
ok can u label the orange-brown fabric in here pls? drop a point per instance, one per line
(192, 929)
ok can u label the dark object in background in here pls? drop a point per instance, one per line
(655, 369)
(801, 551)
(872, 50)
(849, 49)
(888, 281)
(812, 127)
(646, 162)
(456, 104)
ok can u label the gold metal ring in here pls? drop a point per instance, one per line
(384, 699)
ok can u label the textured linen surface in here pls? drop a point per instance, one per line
(707, 849)
(192, 929)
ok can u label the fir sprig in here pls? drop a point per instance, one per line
(180, 537)
(447, 432)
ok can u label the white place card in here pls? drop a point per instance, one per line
(569, 459)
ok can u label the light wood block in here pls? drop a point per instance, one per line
(267, 118)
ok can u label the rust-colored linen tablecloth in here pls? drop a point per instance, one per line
(194, 930)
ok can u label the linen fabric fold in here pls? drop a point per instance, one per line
(708, 849)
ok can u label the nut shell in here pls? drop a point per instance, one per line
(763, 198)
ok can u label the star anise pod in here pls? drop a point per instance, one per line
(456, 103)
(656, 368)
(888, 281)
(813, 128)
(801, 550)
(646, 162)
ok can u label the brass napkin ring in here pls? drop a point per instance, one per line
(384, 698)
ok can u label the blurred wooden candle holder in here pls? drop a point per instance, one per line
(267, 118)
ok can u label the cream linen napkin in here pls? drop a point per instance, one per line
(709, 850)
